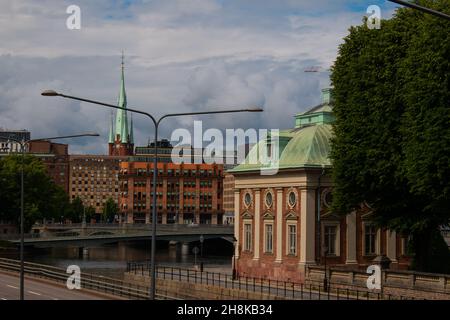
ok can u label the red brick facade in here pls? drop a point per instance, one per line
(262, 258)
(186, 193)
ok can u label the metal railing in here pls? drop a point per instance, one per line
(111, 286)
(260, 287)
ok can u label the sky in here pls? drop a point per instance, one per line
(180, 56)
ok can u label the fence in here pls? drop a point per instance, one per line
(276, 289)
(97, 283)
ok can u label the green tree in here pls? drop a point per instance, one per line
(110, 210)
(392, 132)
(43, 199)
(90, 213)
(76, 210)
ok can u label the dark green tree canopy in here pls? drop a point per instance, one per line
(43, 199)
(392, 131)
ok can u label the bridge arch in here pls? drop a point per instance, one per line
(101, 233)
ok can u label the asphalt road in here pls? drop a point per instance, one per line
(39, 290)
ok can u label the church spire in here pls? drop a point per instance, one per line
(111, 129)
(121, 116)
(131, 130)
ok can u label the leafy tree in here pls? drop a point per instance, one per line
(76, 211)
(43, 199)
(392, 132)
(90, 213)
(110, 210)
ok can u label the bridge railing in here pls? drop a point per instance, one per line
(89, 281)
(264, 287)
(130, 225)
(17, 236)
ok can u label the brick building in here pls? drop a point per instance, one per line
(228, 198)
(186, 193)
(277, 224)
(94, 178)
(56, 158)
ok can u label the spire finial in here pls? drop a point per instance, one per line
(123, 58)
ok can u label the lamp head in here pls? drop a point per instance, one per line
(49, 93)
(255, 109)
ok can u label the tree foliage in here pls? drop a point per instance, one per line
(392, 132)
(43, 199)
(110, 210)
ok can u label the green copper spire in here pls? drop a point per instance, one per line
(111, 129)
(131, 130)
(121, 116)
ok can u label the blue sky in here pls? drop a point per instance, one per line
(181, 55)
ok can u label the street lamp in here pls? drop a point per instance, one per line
(421, 8)
(156, 123)
(233, 262)
(22, 144)
(325, 278)
(201, 252)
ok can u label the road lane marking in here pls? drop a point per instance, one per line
(12, 286)
(32, 292)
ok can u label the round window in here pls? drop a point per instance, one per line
(328, 199)
(247, 199)
(269, 199)
(292, 199)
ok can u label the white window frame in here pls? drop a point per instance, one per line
(288, 238)
(337, 240)
(377, 239)
(266, 224)
(247, 247)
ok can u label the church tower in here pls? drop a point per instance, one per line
(121, 133)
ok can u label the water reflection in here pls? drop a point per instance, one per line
(110, 260)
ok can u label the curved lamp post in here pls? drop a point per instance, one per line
(422, 8)
(156, 123)
(22, 144)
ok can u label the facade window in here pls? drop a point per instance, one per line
(292, 239)
(292, 199)
(247, 237)
(247, 199)
(269, 199)
(370, 238)
(269, 238)
(330, 239)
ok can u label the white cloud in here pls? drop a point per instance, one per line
(180, 55)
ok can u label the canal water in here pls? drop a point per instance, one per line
(111, 260)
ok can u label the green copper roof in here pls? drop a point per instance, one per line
(121, 127)
(131, 130)
(321, 114)
(111, 130)
(307, 145)
(308, 148)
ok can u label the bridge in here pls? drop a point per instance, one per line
(89, 234)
